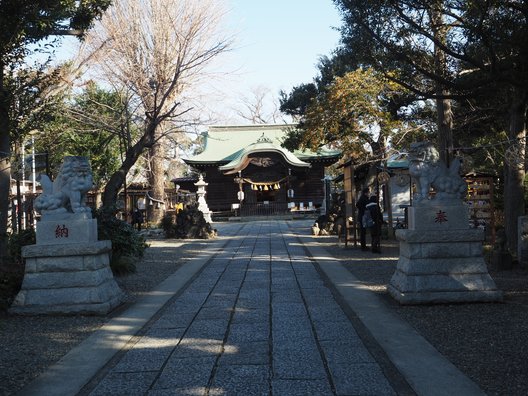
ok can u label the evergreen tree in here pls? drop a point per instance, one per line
(26, 22)
(450, 49)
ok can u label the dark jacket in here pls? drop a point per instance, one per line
(137, 217)
(360, 205)
(375, 213)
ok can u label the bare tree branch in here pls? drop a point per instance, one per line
(259, 108)
(159, 50)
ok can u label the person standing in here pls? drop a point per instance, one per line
(375, 231)
(137, 219)
(361, 205)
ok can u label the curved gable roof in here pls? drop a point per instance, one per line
(262, 145)
(227, 146)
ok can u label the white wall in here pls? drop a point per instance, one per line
(399, 187)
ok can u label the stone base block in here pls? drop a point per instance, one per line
(442, 268)
(66, 231)
(68, 279)
(522, 242)
(443, 297)
(438, 217)
(78, 308)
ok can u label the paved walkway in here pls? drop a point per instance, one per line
(257, 318)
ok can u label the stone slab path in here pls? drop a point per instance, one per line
(264, 309)
(257, 320)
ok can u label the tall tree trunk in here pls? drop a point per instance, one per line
(444, 113)
(445, 127)
(116, 181)
(379, 153)
(5, 165)
(514, 170)
(156, 211)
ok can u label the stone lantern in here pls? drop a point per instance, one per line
(202, 204)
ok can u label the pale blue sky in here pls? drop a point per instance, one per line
(280, 41)
(277, 46)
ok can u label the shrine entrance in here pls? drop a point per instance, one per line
(265, 181)
(249, 171)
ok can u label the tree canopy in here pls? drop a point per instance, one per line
(27, 22)
(158, 50)
(453, 49)
(93, 123)
(467, 58)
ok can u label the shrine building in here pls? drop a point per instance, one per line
(247, 170)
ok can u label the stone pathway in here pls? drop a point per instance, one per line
(257, 320)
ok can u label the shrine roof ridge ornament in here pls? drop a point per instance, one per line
(264, 139)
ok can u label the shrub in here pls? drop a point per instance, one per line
(15, 243)
(190, 223)
(123, 265)
(127, 243)
(12, 270)
(168, 226)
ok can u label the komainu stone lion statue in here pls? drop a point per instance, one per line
(68, 192)
(428, 171)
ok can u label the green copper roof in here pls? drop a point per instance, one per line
(262, 145)
(230, 145)
(398, 161)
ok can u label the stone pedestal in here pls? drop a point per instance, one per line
(68, 269)
(63, 231)
(70, 278)
(438, 217)
(441, 259)
(522, 242)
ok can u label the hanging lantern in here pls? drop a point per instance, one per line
(277, 186)
(265, 187)
(260, 188)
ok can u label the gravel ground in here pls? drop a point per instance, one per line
(28, 345)
(488, 342)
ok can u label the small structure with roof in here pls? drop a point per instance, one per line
(248, 169)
